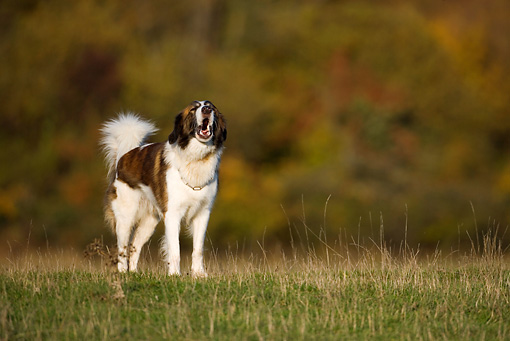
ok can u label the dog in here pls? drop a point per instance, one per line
(175, 181)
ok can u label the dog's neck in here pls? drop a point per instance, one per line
(197, 163)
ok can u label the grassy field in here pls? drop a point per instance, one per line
(369, 294)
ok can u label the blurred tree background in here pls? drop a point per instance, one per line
(392, 108)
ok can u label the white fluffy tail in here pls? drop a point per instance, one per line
(122, 134)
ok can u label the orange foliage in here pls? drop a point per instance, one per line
(76, 189)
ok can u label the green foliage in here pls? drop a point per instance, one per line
(378, 105)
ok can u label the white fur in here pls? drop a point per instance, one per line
(191, 208)
(196, 165)
(122, 134)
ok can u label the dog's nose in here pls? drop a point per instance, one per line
(206, 110)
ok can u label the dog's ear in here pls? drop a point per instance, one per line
(220, 130)
(178, 127)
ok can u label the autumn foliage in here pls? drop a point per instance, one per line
(341, 114)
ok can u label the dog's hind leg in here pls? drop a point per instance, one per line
(125, 208)
(142, 234)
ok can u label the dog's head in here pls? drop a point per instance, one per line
(200, 120)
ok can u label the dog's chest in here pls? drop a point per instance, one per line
(182, 198)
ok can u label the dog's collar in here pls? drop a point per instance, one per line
(195, 188)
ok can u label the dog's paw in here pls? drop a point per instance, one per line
(199, 274)
(122, 266)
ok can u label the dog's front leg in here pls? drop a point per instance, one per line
(199, 227)
(171, 244)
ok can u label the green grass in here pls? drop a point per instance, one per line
(373, 295)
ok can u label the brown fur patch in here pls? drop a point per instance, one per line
(110, 195)
(146, 166)
(184, 128)
(219, 129)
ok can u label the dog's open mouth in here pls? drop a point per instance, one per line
(204, 130)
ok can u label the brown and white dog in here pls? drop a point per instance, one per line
(175, 181)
